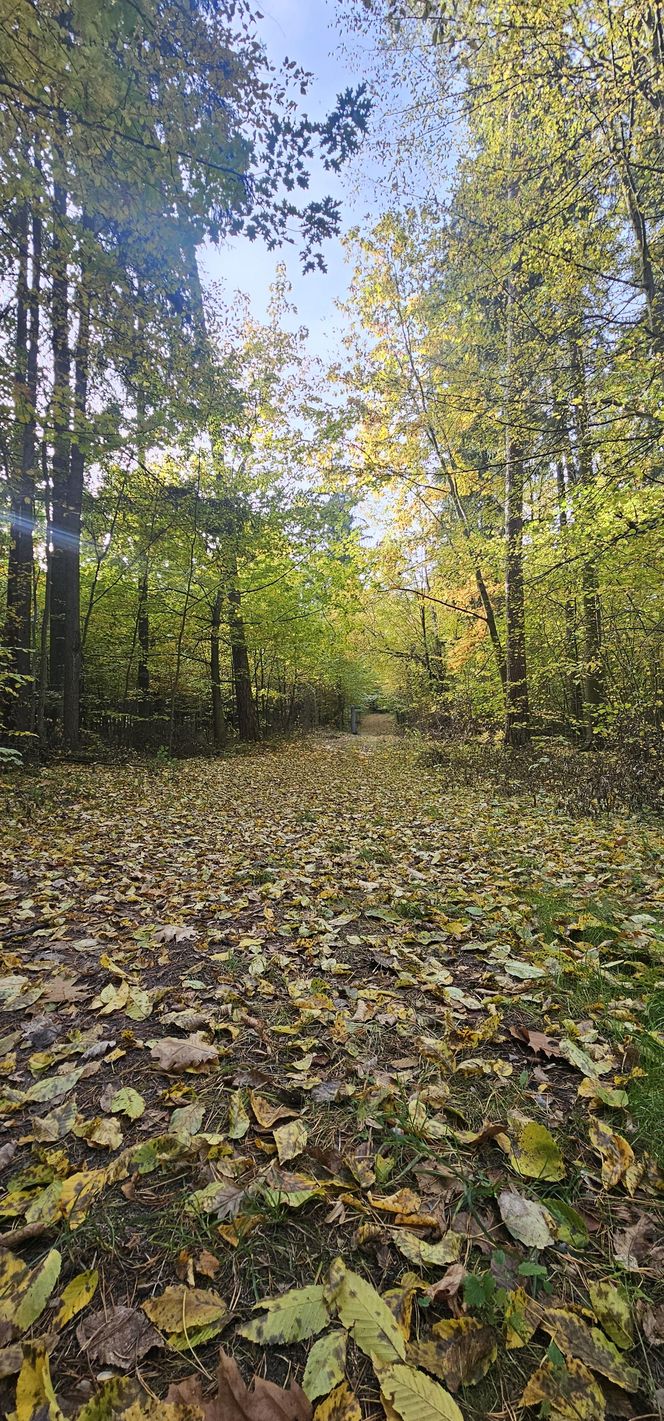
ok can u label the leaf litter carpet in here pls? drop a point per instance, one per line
(317, 1095)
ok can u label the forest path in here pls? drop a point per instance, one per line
(315, 1003)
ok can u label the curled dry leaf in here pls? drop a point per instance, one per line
(616, 1154)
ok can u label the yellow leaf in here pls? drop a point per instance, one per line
(534, 1152)
(574, 1338)
(522, 1317)
(611, 1309)
(238, 1118)
(290, 1140)
(267, 1114)
(326, 1364)
(76, 1296)
(341, 1405)
(188, 1316)
(104, 1133)
(35, 1397)
(616, 1154)
(293, 1317)
(460, 1353)
(364, 1313)
(568, 1388)
(415, 1397)
(25, 1295)
(429, 1255)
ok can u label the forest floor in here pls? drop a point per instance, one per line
(326, 1024)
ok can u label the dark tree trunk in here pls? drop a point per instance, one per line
(247, 718)
(18, 630)
(72, 555)
(593, 669)
(143, 636)
(572, 680)
(517, 711)
(218, 718)
(57, 568)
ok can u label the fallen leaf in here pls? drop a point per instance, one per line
(341, 1405)
(295, 1316)
(428, 1255)
(414, 1397)
(364, 1314)
(262, 1402)
(326, 1364)
(25, 1291)
(526, 1220)
(611, 1308)
(574, 1338)
(125, 1101)
(238, 1118)
(188, 1316)
(290, 1140)
(173, 1054)
(76, 1296)
(616, 1154)
(534, 1152)
(568, 1388)
(117, 1338)
(460, 1353)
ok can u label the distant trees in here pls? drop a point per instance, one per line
(128, 135)
(509, 322)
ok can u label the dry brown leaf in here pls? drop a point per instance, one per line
(173, 1054)
(117, 1338)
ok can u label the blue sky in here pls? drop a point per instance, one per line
(306, 31)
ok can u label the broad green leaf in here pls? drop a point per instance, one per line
(295, 1316)
(365, 1315)
(326, 1365)
(415, 1397)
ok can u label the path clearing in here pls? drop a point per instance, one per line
(314, 1004)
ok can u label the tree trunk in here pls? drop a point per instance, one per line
(57, 568)
(517, 711)
(572, 681)
(247, 718)
(143, 636)
(18, 630)
(593, 672)
(71, 717)
(218, 718)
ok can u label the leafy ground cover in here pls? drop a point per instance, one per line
(336, 1060)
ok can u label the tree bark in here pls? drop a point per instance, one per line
(247, 717)
(18, 630)
(71, 717)
(517, 710)
(572, 681)
(218, 717)
(61, 404)
(593, 671)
